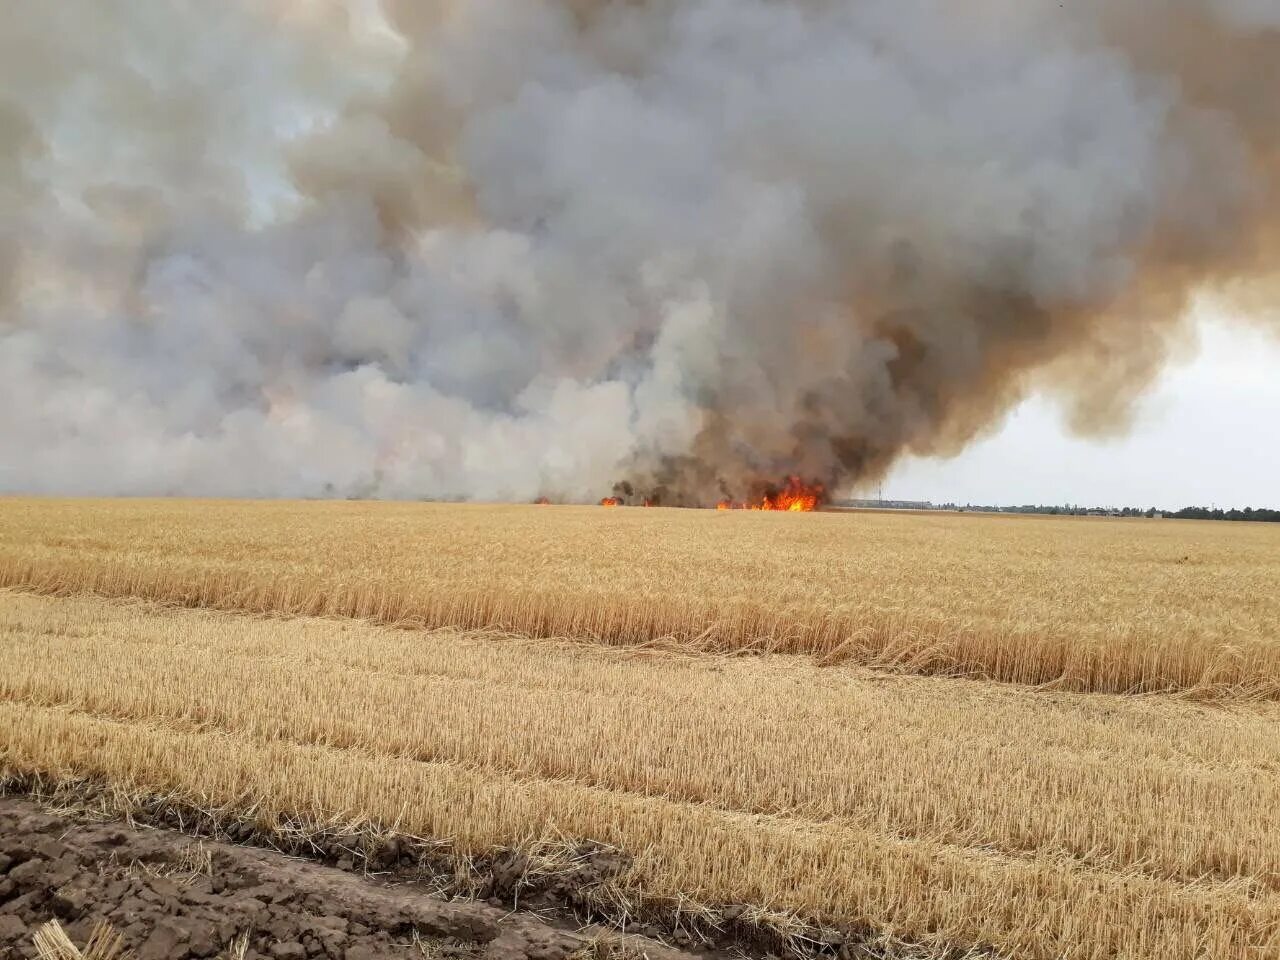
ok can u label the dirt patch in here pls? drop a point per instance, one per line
(400, 895)
(174, 897)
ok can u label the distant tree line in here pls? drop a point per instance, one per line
(1261, 514)
(1257, 515)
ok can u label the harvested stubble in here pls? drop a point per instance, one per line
(1104, 605)
(52, 943)
(1047, 825)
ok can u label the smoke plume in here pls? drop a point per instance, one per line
(498, 250)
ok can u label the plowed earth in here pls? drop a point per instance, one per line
(174, 897)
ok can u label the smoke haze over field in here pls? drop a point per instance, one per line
(500, 250)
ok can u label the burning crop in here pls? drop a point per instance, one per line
(796, 496)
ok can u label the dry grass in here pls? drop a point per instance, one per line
(947, 812)
(52, 943)
(1104, 605)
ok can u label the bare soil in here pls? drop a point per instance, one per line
(174, 897)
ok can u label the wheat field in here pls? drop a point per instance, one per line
(1045, 739)
(951, 812)
(1104, 605)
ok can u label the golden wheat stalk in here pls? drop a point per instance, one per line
(105, 943)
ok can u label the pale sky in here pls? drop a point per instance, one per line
(1209, 433)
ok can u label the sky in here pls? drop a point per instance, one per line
(1208, 433)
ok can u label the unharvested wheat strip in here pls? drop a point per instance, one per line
(922, 890)
(875, 760)
(928, 647)
(1102, 606)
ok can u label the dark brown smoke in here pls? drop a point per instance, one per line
(504, 251)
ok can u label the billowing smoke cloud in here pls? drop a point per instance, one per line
(499, 250)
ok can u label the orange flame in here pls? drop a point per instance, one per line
(797, 497)
(542, 501)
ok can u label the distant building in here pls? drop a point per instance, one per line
(884, 504)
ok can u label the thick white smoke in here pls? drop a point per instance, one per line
(499, 250)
